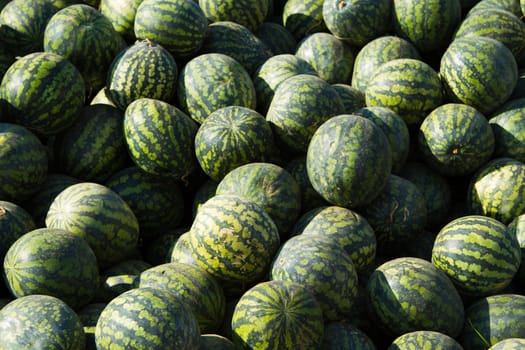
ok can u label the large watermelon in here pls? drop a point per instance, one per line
(248, 13)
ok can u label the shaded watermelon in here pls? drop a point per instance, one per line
(513, 6)
(15, 221)
(509, 132)
(302, 17)
(215, 342)
(121, 17)
(509, 344)
(89, 315)
(517, 228)
(202, 194)
(352, 98)
(247, 13)
(276, 37)
(158, 251)
(119, 278)
(340, 335)
(429, 340)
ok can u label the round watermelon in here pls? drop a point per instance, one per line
(250, 14)
(509, 344)
(276, 37)
(509, 132)
(302, 17)
(429, 340)
(352, 98)
(513, 6)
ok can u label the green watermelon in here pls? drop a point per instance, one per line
(352, 98)
(43, 92)
(230, 137)
(100, 216)
(428, 340)
(159, 137)
(455, 139)
(15, 221)
(302, 17)
(410, 87)
(277, 315)
(428, 24)
(331, 57)
(212, 81)
(478, 71)
(276, 37)
(268, 185)
(509, 344)
(492, 319)
(158, 250)
(509, 132)
(299, 106)
(233, 238)
(497, 190)
(341, 335)
(517, 228)
(87, 39)
(181, 251)
(23, 163)
(142, 70)
(93, 148)
(409, 294)
(247, 13)
(479, 254)
(40, 321)
(194, 286)
(122, 17)
(89, 315)
(318, 263)
(147, 318)
(215, 342)
(119, 278)
(513, 6)
(52, 262)
(178, 25)
(349, 160)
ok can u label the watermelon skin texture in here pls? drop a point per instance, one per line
(302, 17)
(147, 318)
(425, 340)
(344, 151)
(142, 70)
(479, 254)
(250, 14)
(52, 262)
(23, 163)
(508, 128)
(409, 294)
(276, 37)
(15, 221)
(509, 344)
(40, 319)
(160, 138)
(44, 92)
(341, 335)
(352, 98)
(478, 71)
(277, 315)
(122, 18)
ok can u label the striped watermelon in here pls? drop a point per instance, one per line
(147, 318)
(492, 319)
(410, 87)
(513, 6)
(479, 254)
(247, 13)
(299, 106)
(276, 37)
(23, 163)
(497, 190)
(349, 160)
(181, 251)
(119, 278)
(429, 340)
(15, 221)
(87, 39)
(177, 25)
(341, 335)
(268, 185)
(230, 137)
(455, 139)
(509, 344)
(318, 263)
(159, 137)
(428, 24)
(478, 71)
(233, 238)
(43, 91)
(352, 98)
(277, 315)
(40, 321)
(52, 262)
(100, 216)
(509, 132)
(410, 294)
(142, 70)
(212, 81)
(93, 148)
(517, 228)
(302, 17)
(122, 17)
(194, 286)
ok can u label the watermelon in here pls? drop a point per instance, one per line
(122, 17)
(142, 70)
(194, 286)
(119, 278)
(428, 24)
(513, 6)
(352, 98)
(299, 106)
(496, 190)
(268, 185)
(181, 251)
(409, 294)
(15, 221)
(147, 318)
(102, 97)
(276, 37)
(430, 340)
(455, 139)
(349, 160)
(93, 148)
(177, 25)
(410, 87)
(247, 13)
(41, 321)
(318, 263)
(339, 335)
(215, 342)
(43, 92)
(87, 39)
(23, 163)
(100, 216)
(492, 319)
(212, 81)
(159, 138)
(277, 315)
(478, 71)
(233, 239)
(230, 137)
(302, 17)
(348, 228)
(509, 344)
(331, 57)
(509, 132)
(158, 250)
(517, 228)
(89, 315)
(479, 254)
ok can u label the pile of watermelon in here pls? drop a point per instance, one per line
(273, 174)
